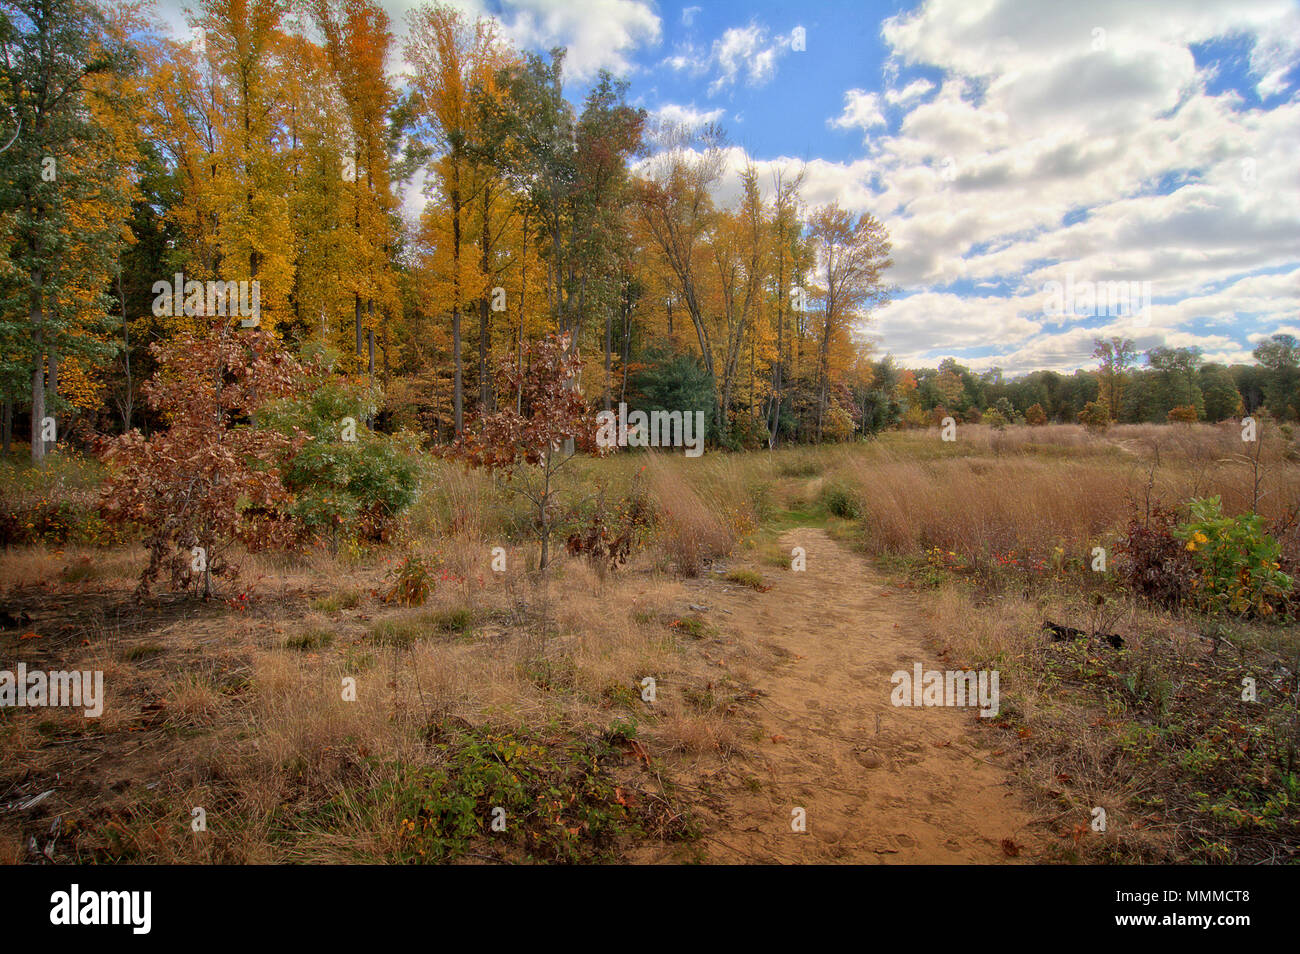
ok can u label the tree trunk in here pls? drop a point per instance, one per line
(609, 348)
(458, 384)
(484, 337)
(356, 315)
(38, 367)
(128, 402)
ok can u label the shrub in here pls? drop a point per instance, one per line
(1154, 564)
(531, 449)
(410, 582)
(747, 578)
(842, 502)
(208, 479)
(561, 797)
(1183, 414)
(348, 480)
(1035, 416)
(609, 534)
(838, 424)
(1095, 416)
(1237, 562)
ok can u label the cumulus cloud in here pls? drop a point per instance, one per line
(747, 55)
(685, 117)
(599, 34)
(1078, 139)
(861, 111)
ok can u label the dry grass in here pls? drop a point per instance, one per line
(242, 713)
(996, 492)
(702, 519)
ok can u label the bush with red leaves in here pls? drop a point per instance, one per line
(1154, 563)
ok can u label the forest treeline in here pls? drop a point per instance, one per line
(267, 154)
(1158, 385)
(269, 149)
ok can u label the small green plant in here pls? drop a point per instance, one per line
(310, 639)
(697, 627)
(459, 619)
(842, 502)
(398, 634)
(747, 578)
(1236, 561)
(340, 600)
(557, 801)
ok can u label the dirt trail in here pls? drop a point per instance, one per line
(879, 783)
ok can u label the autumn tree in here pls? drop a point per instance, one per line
(242, 43)
(530, 447)
(675, 205)
(785, 235)
(358, 41)
(61, 195)
(451, 56)
(852, 256)
(1116, 356)
(208, 479)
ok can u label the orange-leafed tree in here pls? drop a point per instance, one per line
(530, 446)
(209, 479)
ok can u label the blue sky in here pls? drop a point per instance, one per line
(1006, 144)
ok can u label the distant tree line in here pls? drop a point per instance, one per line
(1156, 386)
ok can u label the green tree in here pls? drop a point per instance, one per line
(1279, 356)
(50, 51)
(1117, 356)
(1220, 391)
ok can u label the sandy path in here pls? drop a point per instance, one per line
(878, 783)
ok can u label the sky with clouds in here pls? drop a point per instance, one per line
(1006, 144)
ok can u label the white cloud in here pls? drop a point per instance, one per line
(909, 94)
(688, 117)
(599, 34)
(747, 54)
(1031, 127)
(861, 111)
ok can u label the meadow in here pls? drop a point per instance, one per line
(498, 713)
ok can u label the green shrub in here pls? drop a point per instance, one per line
(842, 502)
(747, 578)
(348, 481)
(1237, 563)
(310, 639)
(558, 800)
